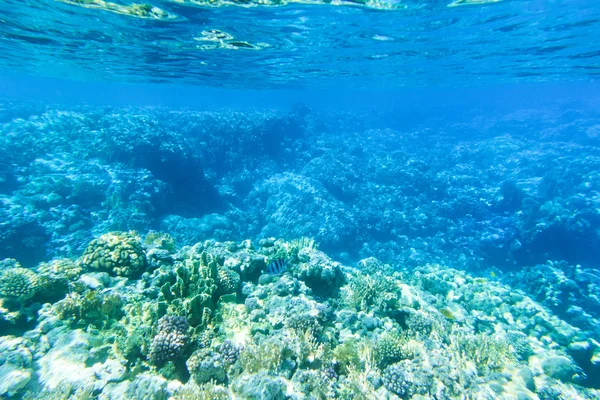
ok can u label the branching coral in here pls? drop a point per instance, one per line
(488, 353)
(376, 292)
(91, 307)
(267, 355)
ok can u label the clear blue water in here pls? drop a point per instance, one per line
(408, 43)
(429, 171)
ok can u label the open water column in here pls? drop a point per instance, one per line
(299, 199)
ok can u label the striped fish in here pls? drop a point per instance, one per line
(277, 266)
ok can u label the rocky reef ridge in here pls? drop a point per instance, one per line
(136, 316)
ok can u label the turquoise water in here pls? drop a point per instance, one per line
(268, 199)
(380, 45)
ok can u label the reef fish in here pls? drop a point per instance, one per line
(277, 266)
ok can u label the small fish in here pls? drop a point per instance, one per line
(277, 266)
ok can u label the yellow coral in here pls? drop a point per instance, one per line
(18, 283)
(120, 253)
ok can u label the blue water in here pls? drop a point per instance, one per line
(428, 170)
(409, 43)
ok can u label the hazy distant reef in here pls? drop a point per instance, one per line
(138, 317)
(510, 189)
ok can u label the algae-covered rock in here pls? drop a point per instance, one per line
(15, 365)
(148, 387)
(13, 379)
(559, 367)
(118, 253)
(91, 307)
(260, 386)
(60, 268)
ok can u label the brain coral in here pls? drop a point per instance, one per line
(18, 283)
(119, 253)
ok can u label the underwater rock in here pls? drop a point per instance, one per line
(15, 365)
(148, 387)
(65, 362)
(297, 206)
(109, 371)
(526, 376)
(559, 367)
(13, 379)
(260, 386)
(188, 231)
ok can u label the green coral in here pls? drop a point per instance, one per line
(60, 268)
(372, 292)
(267, 355)
(118, 253)
(18, 284)
(391, 347)
(206, 391)
(132, 334)
(160, 240)
(91, 307)
(489, 353)
(191, 289)
(347, 356)
(304, 243)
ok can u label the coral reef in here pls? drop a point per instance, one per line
(190, 288)
(438, 303)
(197, 327)
(171, 339)
(18, 284)
(143, 168)
(119, 253)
